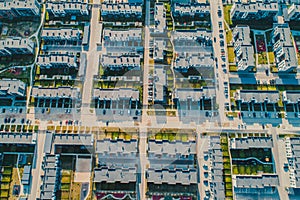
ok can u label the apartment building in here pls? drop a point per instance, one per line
(117, 63)
(68, 8)
(121, 12)
(195, 11)
(16, 46)
(116, 173)
(12, 91)
(55, 61)
(243, 49)
(13, 9)
(257, 10)
(294, 12)
(195, 99)
(119, 99)
(285, 52)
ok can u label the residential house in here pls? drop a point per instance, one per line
(19, 9)
(243, 49)
(284, 49)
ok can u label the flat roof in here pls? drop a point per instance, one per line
(171, 148)
(291, 96)
(116, 94)
(113, 175)
(258, 96)
(16, 138)
(251, 142)
(256, 181)
(172, 176)
(73, 139)
(108, 146)
(160, 82)
(38, 91)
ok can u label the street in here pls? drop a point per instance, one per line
(223, 77)
(92, 67)
(37, 171)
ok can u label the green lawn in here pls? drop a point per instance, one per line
(231, 55)
(262, 58)
(171, 137)
(233, 68)
(227, 14)
(7, 171)
(228, 36)
(23, 75)
(4, 193)
(271, 57)
(65, 186)
(274, 69)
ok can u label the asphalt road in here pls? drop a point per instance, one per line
(92, 67)
(220, 95)
(38, 171)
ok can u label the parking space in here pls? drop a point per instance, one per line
(117, 115)
(12, 114)
(251, 117)
(198, 116)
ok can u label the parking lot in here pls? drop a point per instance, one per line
(118, 115)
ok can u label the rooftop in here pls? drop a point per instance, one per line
(122, 35)
(251, 142)
(63, 33)
(172, 176)
(116, 94)
(258, 96)
(291, 96)
(256, 181)
(12, 87)
(171, 148)
(108, 146)
(55, 92)
(113, 175)
(73, 139)
(16, 138)
(18, 4)
(160, 82)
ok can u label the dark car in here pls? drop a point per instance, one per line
(222, 43)
(219, 13)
